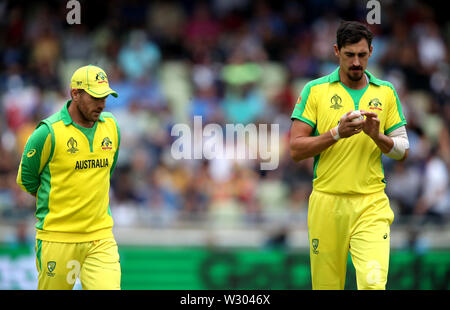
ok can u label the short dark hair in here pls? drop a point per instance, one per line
(351, 32)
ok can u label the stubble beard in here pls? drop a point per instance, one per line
(355, 78)
(86, 117)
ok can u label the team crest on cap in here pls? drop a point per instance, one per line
(101, 77)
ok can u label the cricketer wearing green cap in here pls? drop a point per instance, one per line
(67, 164)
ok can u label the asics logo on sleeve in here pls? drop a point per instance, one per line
(31, 153)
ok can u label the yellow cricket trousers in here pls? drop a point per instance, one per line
(95, 263)
(338, 224)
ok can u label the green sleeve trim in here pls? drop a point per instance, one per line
(392, 128)
(28, 176)
(304, 119)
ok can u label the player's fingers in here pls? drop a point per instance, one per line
(357, 123)
(369, 114)
(372, 120)
(344, 117)
(350, 117)
(356, 131)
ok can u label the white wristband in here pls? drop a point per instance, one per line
(335, 133)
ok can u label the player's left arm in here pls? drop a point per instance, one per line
(34, 158)
(394, 145)
(400, 149)
(393, 140)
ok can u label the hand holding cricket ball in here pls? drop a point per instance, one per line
(350, 124)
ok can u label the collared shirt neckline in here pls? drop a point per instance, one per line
(334, 77)
(65, 115)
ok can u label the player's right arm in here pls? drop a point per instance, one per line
(303, 145)
(34, 158)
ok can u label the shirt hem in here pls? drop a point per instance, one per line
(72, 237)
(350, 194)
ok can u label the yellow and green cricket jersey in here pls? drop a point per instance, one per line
(351, 165)
(69, 168)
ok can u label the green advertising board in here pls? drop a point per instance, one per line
(167, 268)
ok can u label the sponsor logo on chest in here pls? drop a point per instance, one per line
(91, 163)
(375, 104)
(73, 148)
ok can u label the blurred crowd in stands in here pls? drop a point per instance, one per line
(229, 61)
